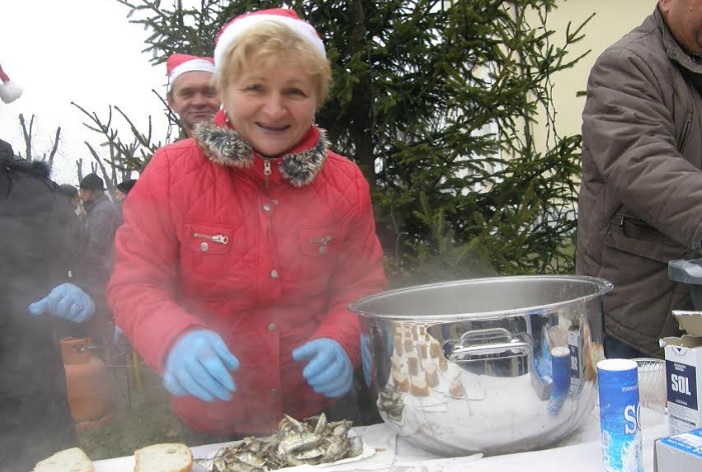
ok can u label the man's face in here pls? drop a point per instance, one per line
(193, 97)
(85, 194)
(684, 18)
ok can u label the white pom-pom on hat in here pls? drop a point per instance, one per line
(242, 23)
(178, 64)
(9, 90)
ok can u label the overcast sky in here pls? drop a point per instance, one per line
(82, 51)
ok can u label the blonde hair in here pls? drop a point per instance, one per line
(268, 44)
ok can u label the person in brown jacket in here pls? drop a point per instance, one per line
(640, 201)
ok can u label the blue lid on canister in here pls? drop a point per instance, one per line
(615, 373)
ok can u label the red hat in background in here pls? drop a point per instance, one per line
(9, 90)
(236, 27)
(178, 64)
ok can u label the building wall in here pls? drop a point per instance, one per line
(612, 20)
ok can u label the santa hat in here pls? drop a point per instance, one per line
(178, 64)
(248, 21)
(9, 90)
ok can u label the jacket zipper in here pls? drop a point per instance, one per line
(217, 238)
(686, 132)
(267, 171)
(323, 241)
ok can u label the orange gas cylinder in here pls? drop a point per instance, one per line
(86, 383)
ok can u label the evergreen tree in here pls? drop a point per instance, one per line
(438, 103)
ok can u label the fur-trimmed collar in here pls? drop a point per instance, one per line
(223, 146)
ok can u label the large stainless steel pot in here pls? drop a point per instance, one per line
(494, 365)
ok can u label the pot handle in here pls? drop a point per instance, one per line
(484, 335)
(498, 350)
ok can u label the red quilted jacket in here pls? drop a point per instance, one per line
(267, 261)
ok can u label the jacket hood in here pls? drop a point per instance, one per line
(9, 161)
(11, 165)
(35, 168)
(223, 145)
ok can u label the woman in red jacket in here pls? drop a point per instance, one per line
(242, 247)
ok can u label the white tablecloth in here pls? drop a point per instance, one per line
(579, 452)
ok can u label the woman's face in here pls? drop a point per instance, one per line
(271, 109)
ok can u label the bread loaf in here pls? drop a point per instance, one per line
(422, 350)
(443, 363)
(432, 375)
(395, 364)
(68, 460)
(401, 380)
(418, 387)
(434, 349)
(398, 345)
(456, 389)
(164, 457)
(413, 365)
(408, 345)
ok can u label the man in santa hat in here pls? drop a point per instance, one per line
(191, 92)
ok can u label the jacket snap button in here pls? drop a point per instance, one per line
(274, 393)
(267, 206)
(274, 274)
(272, 327)
(204, 247)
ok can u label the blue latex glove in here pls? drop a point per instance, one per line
(366, 359)
(198, 364)
(65, 301)
(328, 371)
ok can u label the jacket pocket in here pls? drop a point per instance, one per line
(206, 251)
(637, 238)
(208, 239)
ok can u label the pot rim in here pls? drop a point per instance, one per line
(604, 286)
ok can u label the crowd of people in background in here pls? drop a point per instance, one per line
(229, 264)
